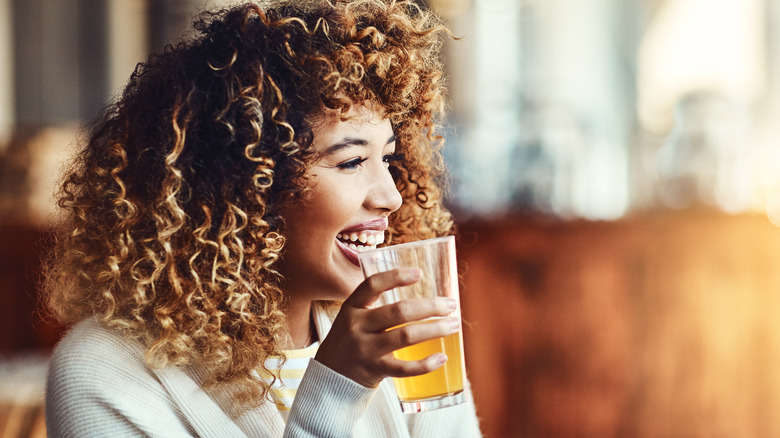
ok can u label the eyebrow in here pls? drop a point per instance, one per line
(351, 141)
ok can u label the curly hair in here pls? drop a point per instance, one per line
(172, 206)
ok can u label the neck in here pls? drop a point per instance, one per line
(300, 326)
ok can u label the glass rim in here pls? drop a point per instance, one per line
(416, 243)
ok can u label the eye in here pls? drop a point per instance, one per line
(392, 158)
(351, 164)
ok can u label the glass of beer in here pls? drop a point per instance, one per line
(436, 258)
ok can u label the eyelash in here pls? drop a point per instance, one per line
(353, 164)
(393, 158)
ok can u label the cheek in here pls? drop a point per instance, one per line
(336, 206)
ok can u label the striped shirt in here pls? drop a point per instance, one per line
(288, 375)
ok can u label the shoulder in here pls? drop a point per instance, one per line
(88, 340)
(100, 377)
(91, 355)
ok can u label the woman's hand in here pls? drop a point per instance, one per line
(359, 345)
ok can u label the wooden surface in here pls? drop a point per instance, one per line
(25, 336)
(22, 326)
(22, 420)
(662, 326)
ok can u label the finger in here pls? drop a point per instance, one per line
(409, 310)
(373, 286)
(411, 334)
(408, 368)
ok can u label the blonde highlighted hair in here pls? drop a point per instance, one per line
(172, 205)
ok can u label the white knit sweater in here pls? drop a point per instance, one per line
(100, 386)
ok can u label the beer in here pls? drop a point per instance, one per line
(447, 379)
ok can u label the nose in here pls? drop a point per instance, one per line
(382, 193)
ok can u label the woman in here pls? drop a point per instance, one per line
(209, 261)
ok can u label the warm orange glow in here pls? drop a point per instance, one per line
(662, 326)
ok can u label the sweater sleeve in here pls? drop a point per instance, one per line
(327, 404)
(99, 386)
(451, 422)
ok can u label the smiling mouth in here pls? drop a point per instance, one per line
(362, 241)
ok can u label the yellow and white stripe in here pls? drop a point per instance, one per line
(288, 375)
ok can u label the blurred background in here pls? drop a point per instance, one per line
(615, 178)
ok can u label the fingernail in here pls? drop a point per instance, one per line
(411, 274)
(455, 324)
(441, 358)
(451, 304)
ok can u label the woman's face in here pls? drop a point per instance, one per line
(351, 194)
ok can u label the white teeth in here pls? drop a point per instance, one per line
(361, 248)
(362, 241)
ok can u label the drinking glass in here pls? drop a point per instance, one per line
(436, 258)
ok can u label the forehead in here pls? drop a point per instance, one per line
(358, 114)
(331, 125)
